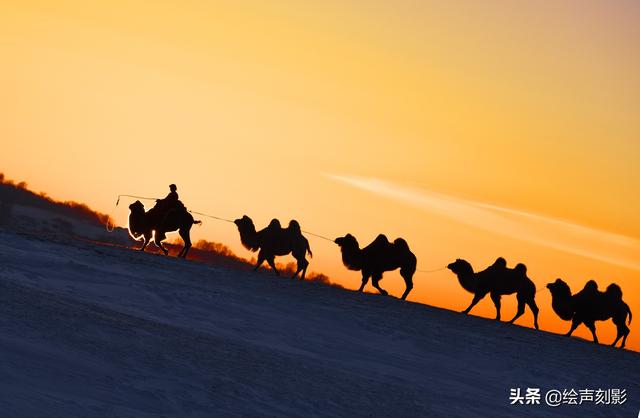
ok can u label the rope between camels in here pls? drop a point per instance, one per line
(211, 216)
(431, 271)
(316, 235)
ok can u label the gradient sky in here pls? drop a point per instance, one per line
(472, 129)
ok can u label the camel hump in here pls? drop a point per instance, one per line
(381, 239)
(520, 269)
(401, 244)
(275, 223)
(614, 291)
(500, 263)
(294, 226)
(590, 286)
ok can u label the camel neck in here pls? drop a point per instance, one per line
(467, 281)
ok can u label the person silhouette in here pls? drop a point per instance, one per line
(172, 197)
(169, 202)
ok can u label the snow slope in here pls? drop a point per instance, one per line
(102, 331)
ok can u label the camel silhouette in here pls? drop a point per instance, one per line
(497, 280)
(591, 305)
(378, 257)
(144, 224)
(275, 241)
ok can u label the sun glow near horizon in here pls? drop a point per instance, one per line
(529, 113)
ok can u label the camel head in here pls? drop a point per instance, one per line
(559, 289)
(351, 253)
(347, 242)
(561, 300)
(136, 219)
(136, 207)
(460, 266)
(248, 235)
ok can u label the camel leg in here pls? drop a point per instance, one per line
(476, 298)
(147, 238)
(158, 241)
(302, 264)
(407, 275)
(534, 310)
(184, 234)
(592, 327)
(618, 336)
(622, 330)
(574, 324)
(261, 259)
(374, 281)
(625, 330)
(519, 313)
(495, 297)
(298, 270)
(365, 280)
(272, 263)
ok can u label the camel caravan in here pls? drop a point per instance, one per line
(585, 307)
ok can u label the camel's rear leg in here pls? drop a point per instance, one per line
(534, 310)
(495, 297)
(521, 304)
(185, 235)
(623, 331)
(407, 275)
(302, 265)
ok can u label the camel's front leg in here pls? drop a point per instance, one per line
(374, 281)
(272, 263)
(158, 241)
(574, 324)
(592, 327)
(365, 280)
(146, 240)
(261, 259)
(476, 298)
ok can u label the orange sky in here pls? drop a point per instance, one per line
(473, 129)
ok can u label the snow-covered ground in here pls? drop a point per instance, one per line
(91, 331)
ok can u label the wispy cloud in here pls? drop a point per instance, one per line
(549, 232)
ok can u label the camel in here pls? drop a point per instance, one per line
(590, 305)
(378, 257)
(155, 224)
(497, 280)
(275, 241)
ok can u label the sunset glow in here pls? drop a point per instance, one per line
(471, 129)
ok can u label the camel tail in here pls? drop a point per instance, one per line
(309, 250)
(629, 311)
